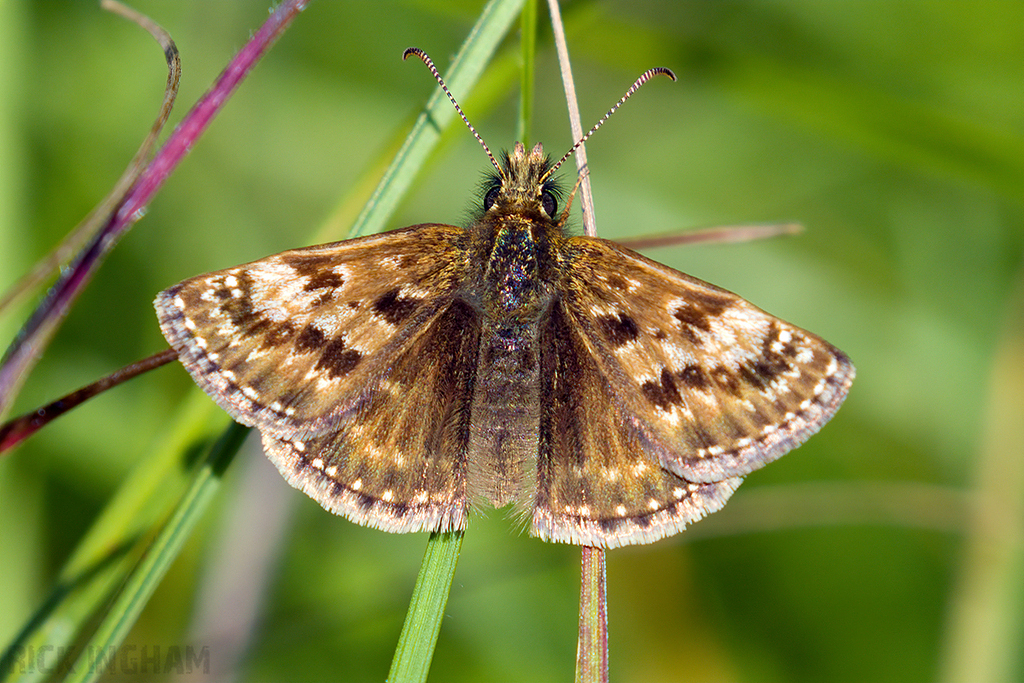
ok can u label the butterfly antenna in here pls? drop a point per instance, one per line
(433, 69)
(644, 77)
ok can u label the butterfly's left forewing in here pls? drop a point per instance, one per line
(287, 343)
(354, 360)
(716, 386)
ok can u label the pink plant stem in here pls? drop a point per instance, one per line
(33, 337)
(17, 430)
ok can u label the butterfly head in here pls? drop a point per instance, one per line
(522, 184)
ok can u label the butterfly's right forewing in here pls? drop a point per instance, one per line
(719, 387)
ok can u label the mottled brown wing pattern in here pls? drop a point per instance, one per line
(717, 387)
(599, 482)
(289, 342)
(397, 459)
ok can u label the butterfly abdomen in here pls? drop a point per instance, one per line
(505, 414)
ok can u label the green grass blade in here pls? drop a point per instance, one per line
(112, 546)
(426, 609)
(494, 23)
(528, 54)
(144, 578)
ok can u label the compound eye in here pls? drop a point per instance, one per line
(549, 204)
(491, 197)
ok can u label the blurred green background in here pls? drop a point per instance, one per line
(887, 548)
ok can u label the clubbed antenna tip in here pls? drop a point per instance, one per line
(644, 77)
(437, 76)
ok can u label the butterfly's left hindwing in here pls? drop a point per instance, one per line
(717, 387)
(288, 343)
(397, 460)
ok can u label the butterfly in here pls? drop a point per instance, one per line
(399, 378)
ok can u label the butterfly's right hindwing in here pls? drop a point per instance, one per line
(598, 481)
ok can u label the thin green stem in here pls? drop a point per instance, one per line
(528, 54)
(426, 609)
(166, 546)
(592, 649)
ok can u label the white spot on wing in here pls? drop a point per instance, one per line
(256, 354)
